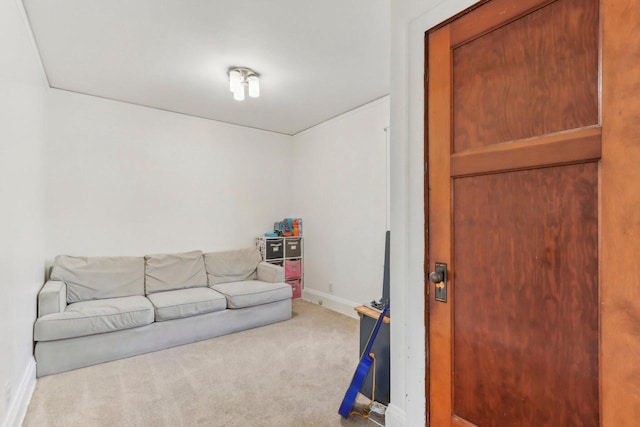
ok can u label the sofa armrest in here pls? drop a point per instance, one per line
(270, 273)
(52, 298)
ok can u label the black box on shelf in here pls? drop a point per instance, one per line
(293, 247)
(274, 249)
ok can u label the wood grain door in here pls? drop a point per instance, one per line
(513, 147)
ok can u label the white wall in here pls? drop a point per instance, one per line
(23, 92)
(339, 189)
(129, 180)
(409, 21)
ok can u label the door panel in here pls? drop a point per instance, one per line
(526, 345)
(513, 149)
(533, 76)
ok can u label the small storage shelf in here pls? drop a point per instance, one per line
(287, 252)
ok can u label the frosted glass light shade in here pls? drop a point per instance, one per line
(254, 86)
(243, 79)
(235, 79)
(238, 94)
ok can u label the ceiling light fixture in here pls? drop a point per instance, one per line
(239, 78)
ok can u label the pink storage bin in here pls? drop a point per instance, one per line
(293, 269)
(296, 286)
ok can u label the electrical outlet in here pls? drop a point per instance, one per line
(330, 287)
(7, 394)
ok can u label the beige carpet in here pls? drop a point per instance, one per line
(293, 373)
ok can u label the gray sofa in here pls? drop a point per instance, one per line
(97, 309)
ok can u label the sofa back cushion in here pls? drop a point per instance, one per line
(168, 272)
(91, 278)
(232, 266)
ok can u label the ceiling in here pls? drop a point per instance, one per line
(316, 59)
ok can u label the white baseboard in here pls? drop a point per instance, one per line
(18, 406)
(331, 302)
(395, 417)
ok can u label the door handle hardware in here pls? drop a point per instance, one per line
(436, 277)
(439, 277)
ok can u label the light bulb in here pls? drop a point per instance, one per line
(254, 86)
(238, 94)
(235, 78)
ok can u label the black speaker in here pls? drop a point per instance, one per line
(386, 279)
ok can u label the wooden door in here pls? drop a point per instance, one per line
(513, 148)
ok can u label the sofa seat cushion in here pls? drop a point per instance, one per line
(249, 293)
(94, 317)
(186, 303)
